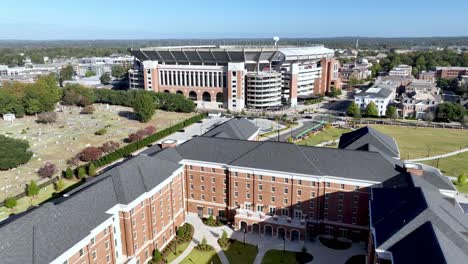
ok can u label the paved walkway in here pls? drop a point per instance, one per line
(321, 253)
(453, 153)
(211, 234)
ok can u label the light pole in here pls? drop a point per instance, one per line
(245, 231)
(284, 244)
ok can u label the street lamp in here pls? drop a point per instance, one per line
(176, 242)
(284, 244)
(245, 231)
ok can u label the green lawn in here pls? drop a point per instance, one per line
(324, 136)
(423, 142)
(202, 257)
(453, 165)
(463, 189)
(24, 203)
(237, 253)
(279, 257)
(180, 249)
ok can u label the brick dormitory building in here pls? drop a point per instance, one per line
(360, 191)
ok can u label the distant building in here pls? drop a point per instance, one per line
(401, 70)
(418, 104)
(422, 86)
(101, 65)
(381, 93)
(427, 76)
(451, 72)
(359, 71)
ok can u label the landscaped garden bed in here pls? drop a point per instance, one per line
(179, 243)
(211, 221)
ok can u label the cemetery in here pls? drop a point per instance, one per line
(72, 132)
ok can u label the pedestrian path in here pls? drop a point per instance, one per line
(211, 234)
(453, 153)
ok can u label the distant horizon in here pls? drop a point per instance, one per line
(237, 38)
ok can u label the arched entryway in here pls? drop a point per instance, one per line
(206, 97)
(193, 96)
(167, 91)
(295, 235)
(255, 228)
(219, 98)
(178, 92)
(243, 226)
(281, 232)
(268, 230)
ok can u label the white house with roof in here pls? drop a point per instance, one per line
(382, 95)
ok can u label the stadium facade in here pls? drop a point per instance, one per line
(236, 77)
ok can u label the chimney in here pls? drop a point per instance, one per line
(414, 169)
(168, 143)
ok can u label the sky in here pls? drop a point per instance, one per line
(162, 19)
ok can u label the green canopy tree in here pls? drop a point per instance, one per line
(105, 78)
(32, 189)
(353, 109)
(371, 109)
(144, 107)
(391, 112)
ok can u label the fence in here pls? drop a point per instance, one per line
(42, 185)
(407, 124)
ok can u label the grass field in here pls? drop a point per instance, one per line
(180, 249)
(452, 166)
(70, 134)
(324, 136)
(463, 189)
(202, 257)
(24, 203)
(238, 253)
(423, 142)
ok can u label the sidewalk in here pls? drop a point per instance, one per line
(211, 234)
(453, 153)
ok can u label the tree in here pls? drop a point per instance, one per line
(371, 110)
(109, 146)
(59, 185)
(156, 256)
(90, 154)
(144, 107)
(81, 173)
(334, 92)
(76, 94)
(118, 71)
(353, 109)
(10, 202)
(66, 73)
(48, 170)
(461, 180)
(91, 169)
(391, 112)
(13, 152)
(32, 189)
(105, 78)
(69, 173)
(90, 73)
(450, 112)
(47, 118)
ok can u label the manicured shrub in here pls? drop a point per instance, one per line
(91, 169)
(68, 173)
(81, 173)
(10, 202)
(109, 146)
(59, 185)
(48, 170)
(100, 132)
(90, 154)
(47, 118)
(32, 189)
(87, 110)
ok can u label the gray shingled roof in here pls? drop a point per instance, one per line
(235, 128)
(43, 234)
(291, 158)
(409, 208)
(367, 138)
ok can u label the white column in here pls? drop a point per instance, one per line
(172, 77)
(190, 77)
(212, 79)
(185, 78)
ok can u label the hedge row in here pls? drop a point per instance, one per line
(132, 147)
